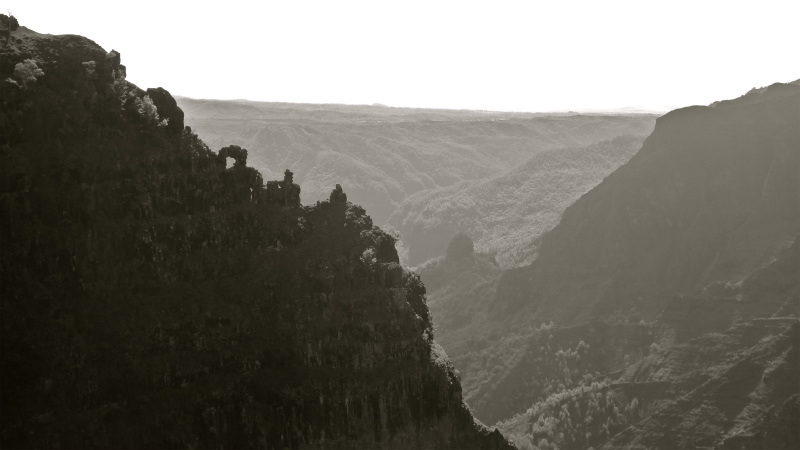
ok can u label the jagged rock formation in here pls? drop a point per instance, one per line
(338, 195)
(152, 297)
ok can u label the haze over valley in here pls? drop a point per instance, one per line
(179, 272)
(400, 163)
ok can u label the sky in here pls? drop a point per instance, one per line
(493, 55)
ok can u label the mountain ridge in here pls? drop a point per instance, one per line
(754, 179)
(155, 295)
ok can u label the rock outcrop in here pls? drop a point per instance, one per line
(338, 195)
(152, 297)
(460, 247)
(167, 108)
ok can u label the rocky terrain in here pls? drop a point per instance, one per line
(157, 294)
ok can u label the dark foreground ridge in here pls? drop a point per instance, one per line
(153, 297)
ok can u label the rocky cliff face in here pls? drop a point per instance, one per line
(153, 297)
(710, 198)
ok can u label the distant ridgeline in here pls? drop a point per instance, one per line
(384, 156)
(152, 297)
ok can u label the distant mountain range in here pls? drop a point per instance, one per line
(382, 155)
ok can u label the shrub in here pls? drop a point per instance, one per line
(368, 258)
(147, 110)
(27, 71)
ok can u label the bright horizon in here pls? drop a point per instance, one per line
(512, 56)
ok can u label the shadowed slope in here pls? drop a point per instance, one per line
(712, 196)
(153, 298)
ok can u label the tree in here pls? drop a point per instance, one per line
(27, 71)
(148, 111)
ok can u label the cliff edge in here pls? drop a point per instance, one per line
(155, 295)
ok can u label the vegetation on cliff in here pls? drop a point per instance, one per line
(154, 295)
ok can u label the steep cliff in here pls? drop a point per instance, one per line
(693, 235)
(152, 296)
(711, 197)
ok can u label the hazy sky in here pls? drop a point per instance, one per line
(495, 55)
